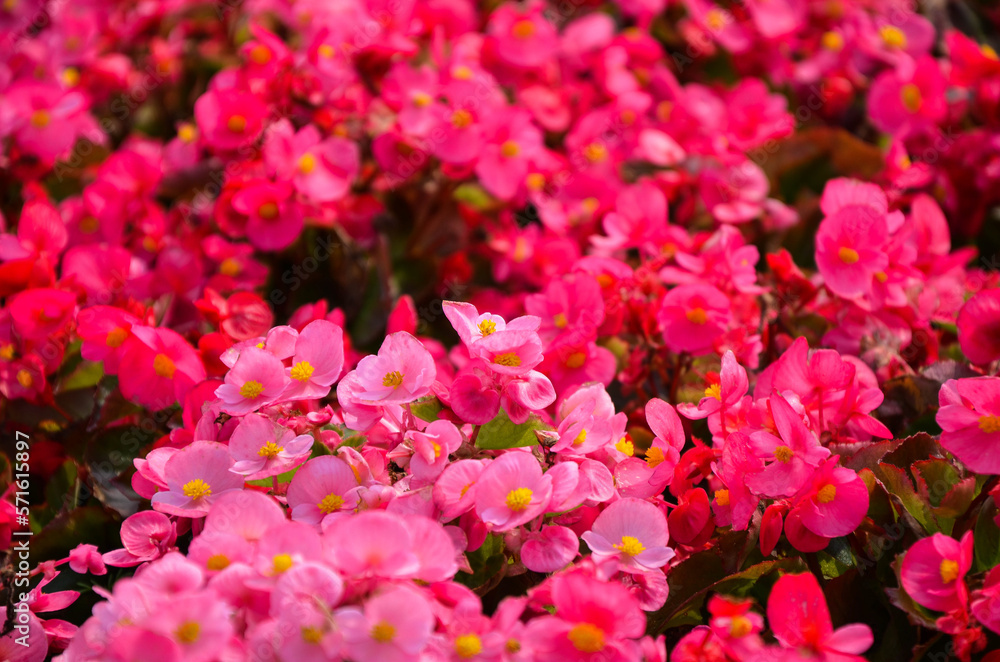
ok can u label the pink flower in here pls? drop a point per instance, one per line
(979, 327)
(850, 250)
(85, 559)
(692, 317)
(395, 625)
(324, 486)
(262, 449)
(402, 371)
(196, 476)
(524, 38)
(632, 531)
(158, 367)
(372, 543)
(835, 502)
(933, 571)
(907, 100)
(146, 535)
(550, 549)
(317, 362)
(198, 622)
(726, 394)
(228, 119)
(969, 416)
(47, 119)
(735, 504)
(789, 459)
(640, 217)
(322, 170)
(275, 219)
(593, 620)
(42, 313)
(800, 619)
(511, 144)
(431, 449)
(255, 381)
(512, 491)
(986, 602)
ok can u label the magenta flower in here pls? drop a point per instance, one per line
(979, 327)
(789, 458)
(228, 119)
(317, 361)
(431, 449)
(850, 250)
(158, 367)
(147, 535)
(256, 380)
(394, 625)
(969, 416)
(325, 485)
(372, 543)
(196, 476)
(632, 531)
(835, 501)
(933, 571)
(274, 218)
(402, 371)
(512, 491)
(262, 448)
(800, 620)
(910, 99)
(524, 38)
(692, 317)
(322, 170)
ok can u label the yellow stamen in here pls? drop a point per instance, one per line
(187, 133)
(461, 118)
(393, 379)
(260, 54)
(714, 391)
(421, 99)
(560, 321)
(197, 489)
(523, 29)
(722, 497)
(383, 632)
(595, 152)
(312, 634)
(89, 225)
(7, 352)
(783, 454)
(949, 571)
(188, 632)
(486, 327)
(625, 446)
(331, 503)
(270, 450)
(832, 41)
(989, 424)
(71, 76)
(468, 645)
(630, 546)
(580, 438)
(281, 563)
(654, 457)
(715, 19)
(268, 211)
(24, 378)
(251, 389)
(40, 119)
(230, 267)
(509, 149)
(509, 359)
(911, 97)
(740, 626)
(827, 494)
(307, 163)
(302, 371)
(518, 500)
(848, 255)
(237, 124)
(217, 562)
(164, 366)
(697, 316)
(576, 360)
(587, 638)
(892, 36)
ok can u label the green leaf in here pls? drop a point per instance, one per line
(501, 433)
(987, 537)
(899, 485)
(487, 563)
(426, 409)
(87, 374)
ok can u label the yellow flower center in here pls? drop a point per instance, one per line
(848, 255)
(783, 454)
(281, 562)
(881, 276)
(164, 366)
(740, 626)
(949, 571)
(71, 76)
(988, 52)
(260, 54)
(307, 163)
(461, 118)
(595, 152)
(486, 327)
(326, 50)
(89, 225)
(911, 97)
(509, 149)
(513, 646)
(229, 267)
(697, 316)
(827, 494)
(312, 634)
(331, 503)
(421, 99)
(268, 211)
(237, 124)
(625, 446)
(302, 371)
(833, 41)
(393, 379)
(630, 546)
(187, 133)
(989, 424)
(576, 360)
(654, 457)
(560, 320)
(461, 72)
(722, 497)
(587, 638)
(197, 489)
(251, 389)
(715, 19)
(509, 359)
(518, 500)
(468, 645)
(714, 391)
(893, 37)
(7, 352)
(24, 378)
(40, 119)
(188, 632)
(523, 29)
(217, 562)
(269, 450)
(535, 181)
(580, 438)
(383, 632)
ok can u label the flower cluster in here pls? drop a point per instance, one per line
(428, 330)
